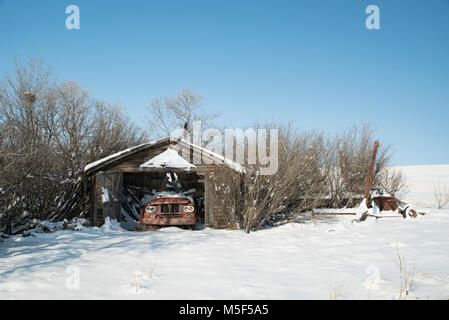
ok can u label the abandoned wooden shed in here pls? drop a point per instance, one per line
(119, 181)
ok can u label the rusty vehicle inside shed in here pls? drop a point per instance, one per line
(120, 185)
(169, 209)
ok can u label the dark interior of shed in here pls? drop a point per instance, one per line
(141, 185)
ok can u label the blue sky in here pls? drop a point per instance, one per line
(310, 62)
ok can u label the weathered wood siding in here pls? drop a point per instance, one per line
(112, 181)
(215, 215)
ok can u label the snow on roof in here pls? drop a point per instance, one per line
(232, 164)
(112, 156)
(168, 159)
(228, 162)
(115, 155)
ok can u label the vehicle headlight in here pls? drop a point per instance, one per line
(189, 208)
(150, 209)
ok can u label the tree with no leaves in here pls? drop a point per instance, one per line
(348, 155)
(311, 174)
(251, 200)
(167, 114)
(49, 132)
(441, 194)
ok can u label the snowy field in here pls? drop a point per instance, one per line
(422, 181)
(311, 260)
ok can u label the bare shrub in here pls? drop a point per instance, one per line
(441, 194)
(392, 181)
(314, 170)
(406, 274)
(26, 106)
(335, 293)
(348, 156)
(49, 132)
(251, 200)
(151, 270)
(138, 278)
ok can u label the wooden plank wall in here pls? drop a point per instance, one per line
(113, 182)
(208, 195)
(215, 215)
(92, 199)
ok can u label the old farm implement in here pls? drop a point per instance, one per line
(375, 202)
(379, 204)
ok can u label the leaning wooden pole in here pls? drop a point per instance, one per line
(369, 179)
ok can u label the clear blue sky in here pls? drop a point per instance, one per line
(311, 62)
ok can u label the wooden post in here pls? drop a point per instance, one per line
(369, 179)
(92, 200)
(209, 220)
(112, 181)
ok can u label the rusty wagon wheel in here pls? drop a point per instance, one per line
(411, 213)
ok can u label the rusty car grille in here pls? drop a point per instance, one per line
(176, 215)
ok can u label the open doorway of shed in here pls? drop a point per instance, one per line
(137, 187)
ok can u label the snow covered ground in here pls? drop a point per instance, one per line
(295, 261)
(309, 260)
